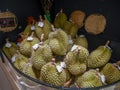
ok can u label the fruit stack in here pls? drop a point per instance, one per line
(55, 54)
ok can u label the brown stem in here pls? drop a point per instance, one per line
(42, 38)
(32, 34)
(107, 43)
(7, 39)
(67, 84)
(61, 10)
(76, 85)
(40, 17)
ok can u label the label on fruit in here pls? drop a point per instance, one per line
(40, 24)
(13, 58)
(81, 35)
(8, 45)
(74, 47)
(32, 27)
(70, 41)
(102, 78)
(59, 68)
(63, 64)
(35, 47)
(30, 38)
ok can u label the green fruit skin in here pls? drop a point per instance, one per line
(112, 74)
(99, 57)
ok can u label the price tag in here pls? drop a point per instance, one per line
(30, 38)
(35, 47)
(40, 24)
(74, 47)
(59, 68)
(8, 45)
(103, 78)
(63, 64)
(32, 27)
(13, 58)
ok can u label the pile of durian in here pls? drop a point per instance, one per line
(55, 54)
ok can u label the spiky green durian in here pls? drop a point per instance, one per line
(88, 79)
(10, 49)
(57, 47)
(50, 74)
(26, 45)
(112, 74)
(61, 36)
(60, 19)
(44, 29)
(20, 60)
(41, 56)
(76, 60)
(99, 57)
(82, 41)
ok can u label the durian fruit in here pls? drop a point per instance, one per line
(29, 28)
(76, 60)
(95, 24)
(19, 60)
(43, 27)
(111, 72)
(71, 28)
(41, 56)
(78, 17)
(57, 47)
(26, 45)
(51, 74)
(10, 48)
(88, 80)
(81, 40)
(58, 41)
(100, 56)
(28, 70)
(60, 19)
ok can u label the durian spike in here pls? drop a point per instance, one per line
(67, 84)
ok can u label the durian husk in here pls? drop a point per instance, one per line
(78, 17)
(95, 24)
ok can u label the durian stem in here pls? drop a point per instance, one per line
(77, 85)
(32, 34)
(42, 38)
(41, 19)
(7, 39)
(67, 84)
(18, 52)
(33, 22)
(53, 28)
(107, 43)
(118, 62)
(61, 10)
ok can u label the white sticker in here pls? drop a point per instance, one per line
(102, 78)
(74, 47)
(70, 41)
(40, 24)
(81, 35)
(8, 45)
(59, 68)
(35, 47)
(13, 58)
(32, 27)
(30, 38)
(63, 64)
